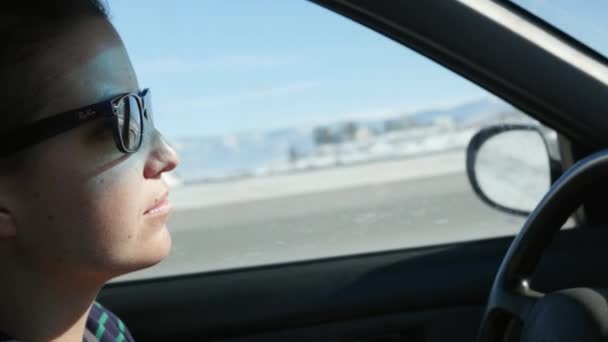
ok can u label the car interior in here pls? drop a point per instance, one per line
(543, 284)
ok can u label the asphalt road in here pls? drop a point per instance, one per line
(367, 218)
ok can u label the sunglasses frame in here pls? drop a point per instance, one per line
(38, 131)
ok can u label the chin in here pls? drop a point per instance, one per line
(157, 250)
(147, 254)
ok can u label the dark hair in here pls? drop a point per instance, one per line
(53, 9)
(26, 29)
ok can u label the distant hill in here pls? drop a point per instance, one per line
(241, 154)
(478, 111)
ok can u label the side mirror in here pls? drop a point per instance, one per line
(510, 167)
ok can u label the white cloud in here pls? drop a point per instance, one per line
(176, 64)
(218, 100)
(231, 141)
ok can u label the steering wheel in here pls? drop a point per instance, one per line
(579, 314)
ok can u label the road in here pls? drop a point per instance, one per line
(376, 216)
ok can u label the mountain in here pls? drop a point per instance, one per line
(478, 111)
(245, 154)
(237, 155)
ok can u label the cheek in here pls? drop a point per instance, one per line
(86, 218)
(114, 208)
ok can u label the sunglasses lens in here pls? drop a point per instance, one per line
(147, 97)
(129, 122)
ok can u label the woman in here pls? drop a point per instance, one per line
(81, 194)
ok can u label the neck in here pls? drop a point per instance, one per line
(45, 305)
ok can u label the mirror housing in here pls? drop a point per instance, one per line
(510, 167)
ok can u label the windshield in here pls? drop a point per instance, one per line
(586, 23)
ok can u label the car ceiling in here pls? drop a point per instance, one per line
(464, 36)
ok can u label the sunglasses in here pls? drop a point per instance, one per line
(127, 112)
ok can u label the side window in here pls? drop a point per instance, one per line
(304, 135)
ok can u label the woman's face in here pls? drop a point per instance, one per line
(78, 204)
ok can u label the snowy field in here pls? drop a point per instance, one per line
(327, 179)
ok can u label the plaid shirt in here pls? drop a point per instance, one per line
(102, 326)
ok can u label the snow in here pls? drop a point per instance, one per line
(298, 149)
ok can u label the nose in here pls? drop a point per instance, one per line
(162, 157)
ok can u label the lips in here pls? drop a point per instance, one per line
(160, 207)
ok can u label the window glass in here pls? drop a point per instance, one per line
(304, 135)
(584, 21)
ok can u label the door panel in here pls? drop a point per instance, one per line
(419, 289)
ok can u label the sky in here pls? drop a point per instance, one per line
(583, 20)
(223, 66)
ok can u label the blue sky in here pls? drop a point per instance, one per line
(584, 20)
(224, 66)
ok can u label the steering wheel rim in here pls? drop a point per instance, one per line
(511, 295)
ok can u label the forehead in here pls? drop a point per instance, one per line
(83, 65)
